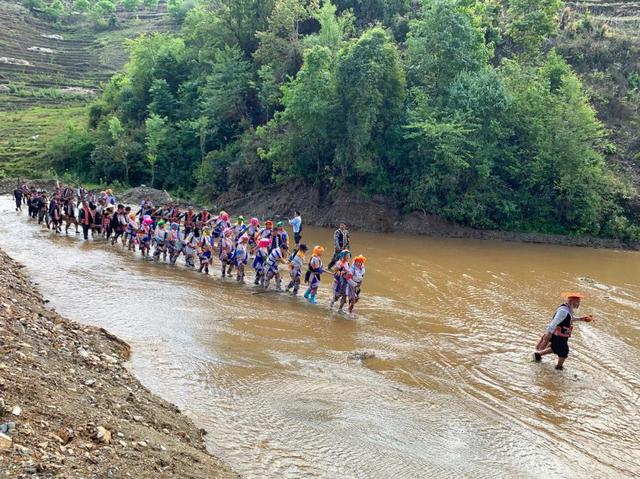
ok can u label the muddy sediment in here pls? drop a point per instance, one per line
(70, 408)
(379, 214)
(375, 214)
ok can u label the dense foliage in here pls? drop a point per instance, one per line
(458, 108)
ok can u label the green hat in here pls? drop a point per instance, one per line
(161, 222)
(240, 218)
(279, 224)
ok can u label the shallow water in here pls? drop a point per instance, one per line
(451, 393)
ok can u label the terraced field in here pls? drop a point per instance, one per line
(49, 72)
(607, 58)
(622, 17)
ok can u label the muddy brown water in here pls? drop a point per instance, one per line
(452, 391)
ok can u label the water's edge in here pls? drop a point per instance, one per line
(376, 215)
(171, 439)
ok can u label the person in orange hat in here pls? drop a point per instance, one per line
(556, 339)
(354, 282)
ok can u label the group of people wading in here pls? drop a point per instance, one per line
(164, 233)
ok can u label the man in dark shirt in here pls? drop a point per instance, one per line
(341, 242)
(17, 195)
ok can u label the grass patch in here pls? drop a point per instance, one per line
(24, 133)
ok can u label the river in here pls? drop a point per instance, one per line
(452, 391)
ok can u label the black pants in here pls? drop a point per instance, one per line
(297, 237)
(85, 231)
(560, 346)
(18, 203)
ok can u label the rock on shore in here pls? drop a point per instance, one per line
(70, 409)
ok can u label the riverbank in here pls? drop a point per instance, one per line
(379, 214)
(375, 214)
(69, 406)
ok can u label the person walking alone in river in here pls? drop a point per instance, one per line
(556, 339)
(341, 243)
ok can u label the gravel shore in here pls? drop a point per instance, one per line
(70, 408)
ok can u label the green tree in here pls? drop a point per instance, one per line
(301, 139)
(82, 5)
(334, 30)
(71, 150)
(156, 132)
(120, 154)
(152, 57)
(532, 22)
(56, 9)
(371, 89)
(103, 7)
(163, 102)
(442, 44)
(223, 96)
(457, 155)
(281, 45)
(562, 178)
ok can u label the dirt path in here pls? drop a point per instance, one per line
(70, 408)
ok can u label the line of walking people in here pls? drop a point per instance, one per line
(166, 232)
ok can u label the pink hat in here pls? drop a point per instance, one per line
(244, 238)
(263, 243)
(225, 216)
(228, 231)
(254, 221)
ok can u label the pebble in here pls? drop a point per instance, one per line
(5, 442)
(89, 382)
(138, 418)
(16, 411)
(362, 355)
(103, 435)
(7, 427)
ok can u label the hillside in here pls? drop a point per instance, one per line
(606, 55)
(496, 131)
(49, 71)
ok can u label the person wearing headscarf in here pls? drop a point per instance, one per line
(340, 273)
(272, 266)
(313, 274)
(355, 277)
(262, 252)
(241, 257)
(296, 263)
(227, 248)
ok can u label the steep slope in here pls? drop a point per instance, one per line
(604, 48)
(50, 71)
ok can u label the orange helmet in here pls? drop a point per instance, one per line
(318, 250)
(359, 259)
